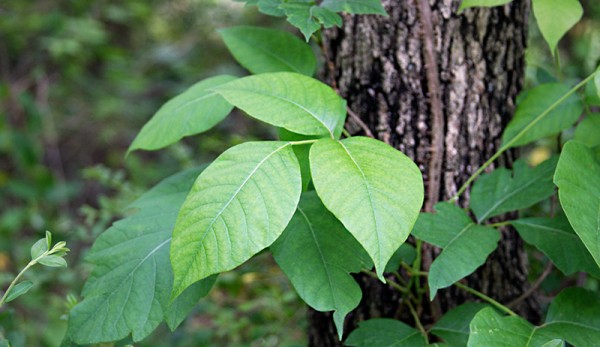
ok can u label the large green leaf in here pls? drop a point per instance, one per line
(385, 332)
(296, 102)
(490, 329)
(589, 129)
(481, 3)
(557, 240)
(532, 105)
(355, 6)
(453, 327)
(263, 50)
(373, 189)
(192, 112)
(237, 207)
(465, 244)
(573, 316)
(129, 290)
(578, 179)
(555, 18)
(317, 254)
(502, 191)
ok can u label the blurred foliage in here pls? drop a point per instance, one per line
(77, 81)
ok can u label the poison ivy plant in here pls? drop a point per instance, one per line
(465, 244)
(557, 240)
(317, 254)
(502, 191)
(453, 327)
(129, 290)
(573, 316)
(382, 195)
(386, 332)
(578, 179)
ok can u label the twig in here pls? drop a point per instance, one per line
(534, 287)
(418, 323)
(435, 102)
(486, 298)
(360, 122)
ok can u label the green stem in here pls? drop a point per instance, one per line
(520, 134)
(346, 133)
(389, 282)
(499, 224)
(486, 298)
(303, 142)
(14, 282)
(418, 323)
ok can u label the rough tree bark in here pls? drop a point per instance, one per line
(440, 86)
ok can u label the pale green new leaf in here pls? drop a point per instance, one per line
(53, 261)
(19, 290)
(373, 189)
(503, 191)
(465, 244)
(557, 240)
(237, 207)
(296, 102)
(262, 50)
(192, 112)
(453, 327)
(129, 290)
(554, 343)
(555, 18)
(535, 102)
(385, 332)
(355, 6)
(39, 248)
(317, 254)
(588, 131)
(578, 179)
(481, 3)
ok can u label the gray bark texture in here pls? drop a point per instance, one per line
(439, 86)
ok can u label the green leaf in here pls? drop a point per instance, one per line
(555, 18)
(262, 50)
(502, 191)
(317, 254)
(557, 240)
(296, 102)
(4, 343)
(129, 289)
(237, 207)
(270, 7)
(574, 316)
(597, 81)
(308, 17)
(53, 261)
(385, 332)
(373, 189)
(19, 290)
(490, 329)
(465, 244)
(453, 327)
(39, 248)
(533, 104)
(49, 239)
(578, 179)
(355, 6)
(192, 112)
(405, 254)
(481, 3)
(587, 131)
(554, 343)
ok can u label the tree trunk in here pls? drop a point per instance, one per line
(440, 87)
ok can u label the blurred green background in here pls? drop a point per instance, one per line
(78, 79)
